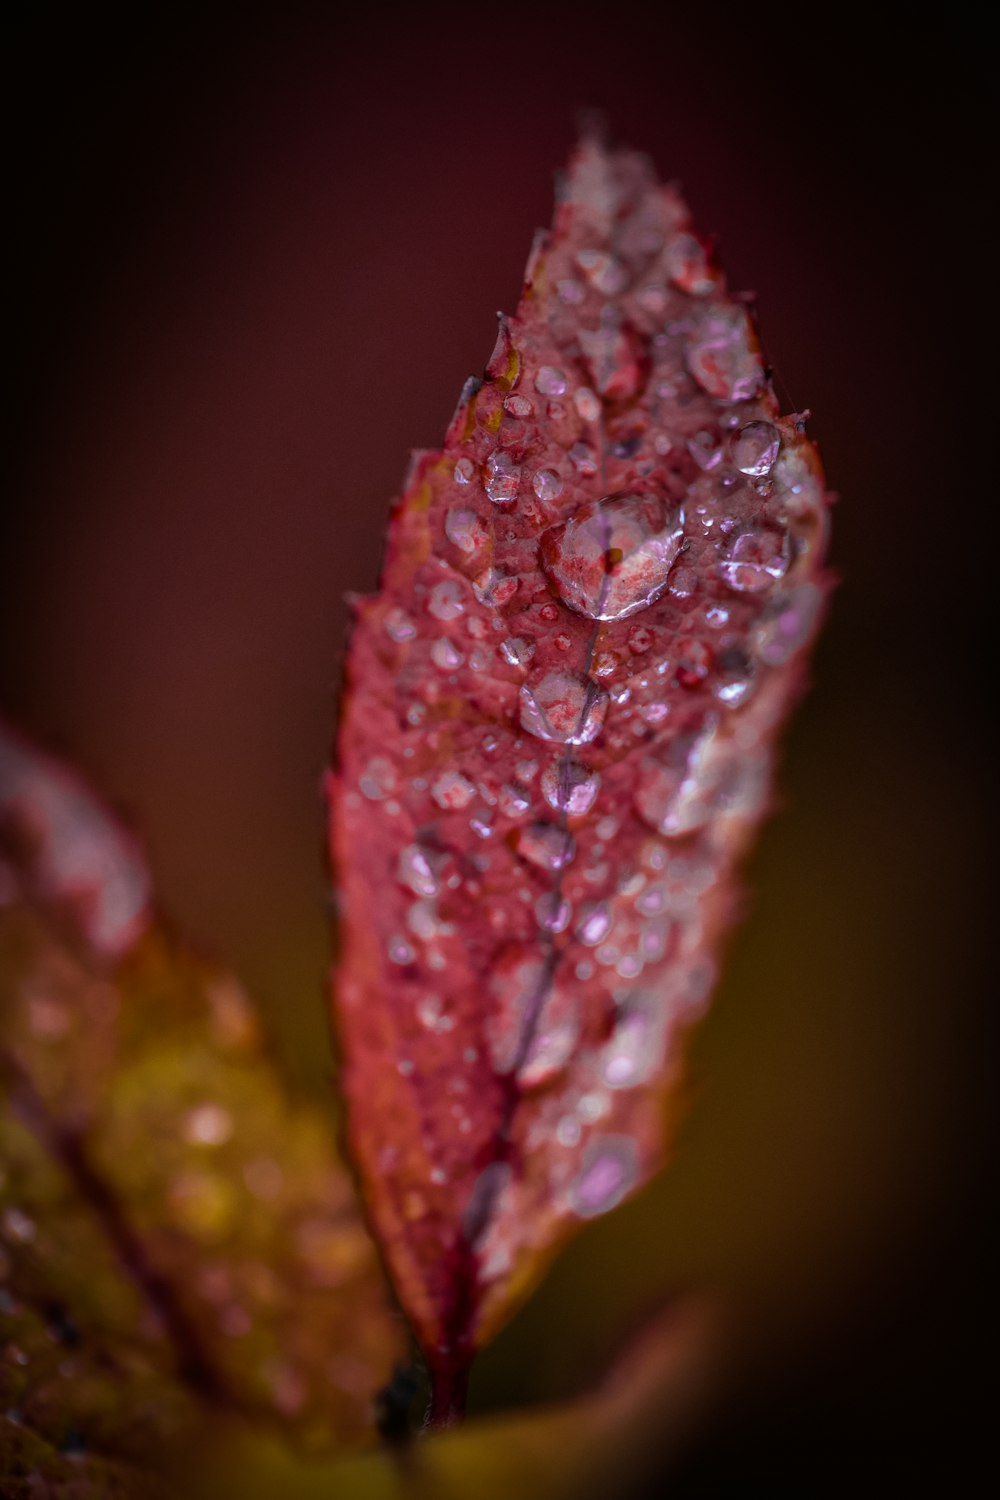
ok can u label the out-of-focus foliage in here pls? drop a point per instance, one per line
(178, 1239)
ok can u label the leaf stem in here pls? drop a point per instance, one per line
(449, 1388)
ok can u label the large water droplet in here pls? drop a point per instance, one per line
(721, 355)
(755, 559)
(569, 787)
(755, 448)
(567, 707)
(609, 1169)
(613, 556)
(550, 381)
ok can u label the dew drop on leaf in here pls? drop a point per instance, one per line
(754, 560)
(569, 787)
(755, 448)
(567, 707)
(613, 556)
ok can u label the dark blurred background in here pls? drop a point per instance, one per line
(256, 254)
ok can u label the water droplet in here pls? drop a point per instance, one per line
(587, 404)
(553, 912)
(635, 1049)
(379, 778)
(399, 626)
(583, 459)
(694, 660)
(688, 265)
(547, 485)
(550, 381)
(640, 638)
(787, 624)
(514, 800)
(400, 950)
(594, 923)
(722, 356)
(465, 529)
(609, 1169)
(446, 600)
(551, 1046)
(734, 676)
(518, 406)
(563, 706)
(516, 651)
(755, 559)
(569, 787)
(416, 872)
(495, 588)
(503, 478)
(570, 291)
(452, 790)
(546, 845)
(705, 449)
(755, 448)
(613, 556)
(445, 655)
(464, 471)
(673, 793)
(604, 272)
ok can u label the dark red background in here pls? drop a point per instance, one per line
(255, 258)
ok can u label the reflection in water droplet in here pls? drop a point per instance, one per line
(569, 787)
(613, 556)
(688, 267)
(755, 448)
(754, 560)
(609, 1169)
(563, 706)
(464, 471)
(400, 951)
(494, 588)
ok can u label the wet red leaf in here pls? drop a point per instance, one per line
(556, 741)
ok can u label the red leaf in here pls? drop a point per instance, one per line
(556, 742)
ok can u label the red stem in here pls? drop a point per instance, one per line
(449, 1387)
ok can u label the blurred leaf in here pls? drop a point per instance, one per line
(178, 1240)
(601, 1444)
(557, 741)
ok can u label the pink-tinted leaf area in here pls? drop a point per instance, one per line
(556, 740)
